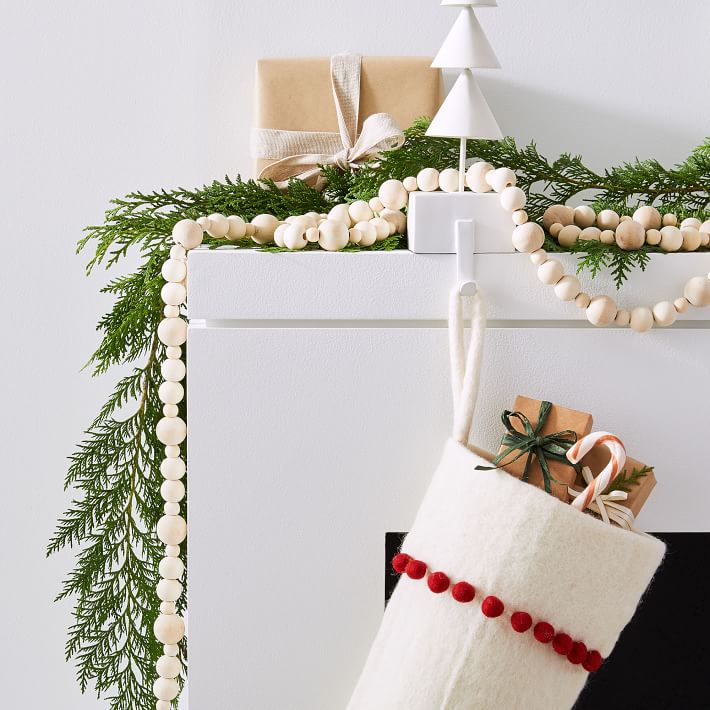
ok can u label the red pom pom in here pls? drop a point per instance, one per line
(521, 621)
(593, 661)
(543, 632)
(416, 569)
(562, 643)
(399, 562)
(463, 592)
(438, 582)
(578, 653)
(492, 607)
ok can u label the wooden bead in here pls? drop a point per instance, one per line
(550, 272)
(171, 311)
(236, 228)
(172, 469)
(171, 649)
(590, 234)
(607, 219)
(671, 239)
(174, 294)
(704, 239)
(601, 311)
(670, 220)
(172, 331)
(630, 235)
(172, 530)
(653, 237)
(664, 313)
(172, 491)
(648, 217)
(341, 213)
(624, 218)
(218, 226)
(538, 257)
(250, 230)
(171, 568)
(170, 410)
(428, 180)
(332, 235)
(691, 239)
(567, 288)
(177, 252)
(163, 705)
(382, 228)
(557, 214)
(368, 233)
(174, 270)
(188, 234)
(501, 178)
(520, 217)
(693, 222)
(396, 218)
(354, 235)
(312, 235)
(204, 222)
(169, 629)
(168, 608)
(584, 216)
(172, 452)
(172, 370)
(375, 205)
(681, 304)
(171, 509)
(582, 300)
(410, 184)
(264, 227)
(641, 319)
(512, 199)
(697, 291)
(705, 227)
(622, 318)
(166, 689)
(359, 211)
(168, 667)
(173, 352)
(607, 236)
(169, 590)
(279, 233)
(393, 194)
(569, 235)
(449, 180)
(172, 550)
(295, 236)
(476, 177)
(171, 430)
(555, 229)
(528, 237)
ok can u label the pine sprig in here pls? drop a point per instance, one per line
(626, 481)
(595, 256)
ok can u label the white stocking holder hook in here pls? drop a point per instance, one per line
(465, 248)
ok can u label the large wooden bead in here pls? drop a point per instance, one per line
(341, 213)
(410, 184)
(393, 194)
(428, 180)
(172, 370)
(590, 234)
(169, 590)
(333, 235)
(172, 331)
(705, 227)
(449, 180)
(641, 319)
(166, 689)
(584, 216)
(172, 491)
(550, 272)
(476, 177)
(568, 235)
(173, 469)
(512, 199)
(188, 234)
(653, 237)
(236, 228)
(557, 214)
(264, 227)
(691, 239)
(171, 431)
(501, 178)
(671, 239)
(607, 219)
(567, 288)
(168, 667)
(664, 313)
(175, 294)
(630, 235)
(169, 629)
(382, 228)
(693, 222)
(601, 311)
(295, 236)
(172, 530)
(174, 270)
(528, 237)
(396, 218)
(359, 211)
(218, 226)
(171, 568)
(368, 233)
(697, 291)
(648, 217)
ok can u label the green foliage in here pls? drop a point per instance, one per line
(594, 256)
(626, 481)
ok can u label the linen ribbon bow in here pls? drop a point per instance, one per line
(300, 153)
(606, 505)
(532, 444)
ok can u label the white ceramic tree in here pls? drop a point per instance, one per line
(465, 112)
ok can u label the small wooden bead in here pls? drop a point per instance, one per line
(664, 313)
(177, 252)
(295, 237)
(590, 234)
(622, 318)
(630, 235)
(173, 352)
(166, 689)
(671, 239)
(312, 234)
(341, 213)
(697, 291)
(584, 216)
(648, 217)
(704, 239)
(428, 180)
(512, 199)
(279, 235)
(520, 217)
(236, 228)
(582, 300)
(171, 430)
(382, 228)
(264, 227)
(528, 237)
(172, 491)
(368, 233)
(171, 311)
(567, 288)
(163, 705)
(601, 311)
(538, 257)
(188, 234)
(169, 590)
(557, 214)
(172, 530)
(172, 452)
(397, 219)
(449, 180)
(204, 222)
(170, 410)
(218, 226)
(393, 195)
(175, 294)
(172, 370)
(670, 220)
(607, 236)
(174, 270)
(172, 469)
(168, 667)
(249, 230)
(169, 629)
(681, 304)
(569, 235)
(168, 608)
(550, 272)
(375, 204)
(410, 184)
(691, 239)
(641, 319)
(624, 218)
(607, 219)
(171, 568)
(354, 235)
(476, 177)
(653, 237)
(501, 178)
(172, 331)
(171, 649)
(171, 509)
(333, 235)
(693, 222)
(555, 229)
(359, 211)
(172, 550)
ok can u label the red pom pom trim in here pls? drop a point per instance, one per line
(492, 607)
(438, 582)
(578, 654)
(521, 621)
(399, 562)
(416, 569)
(543, 632)
(562, 643)
(593, 662)
(463, 592)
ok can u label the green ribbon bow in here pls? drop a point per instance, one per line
(530, 443)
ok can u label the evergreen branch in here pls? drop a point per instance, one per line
(626, 481)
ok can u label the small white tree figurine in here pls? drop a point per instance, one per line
(465, 112)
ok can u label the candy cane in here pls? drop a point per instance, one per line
(611, 470)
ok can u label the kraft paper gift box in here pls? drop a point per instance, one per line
(296, 94)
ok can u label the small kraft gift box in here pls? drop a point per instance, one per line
(341, 110)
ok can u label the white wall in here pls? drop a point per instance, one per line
(102, 98)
